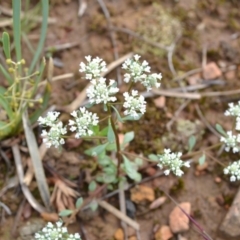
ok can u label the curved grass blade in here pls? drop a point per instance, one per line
(45, 10)
(6, 75)
(7, 107)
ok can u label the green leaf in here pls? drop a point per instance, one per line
(93, 205)
(6, 45)
(96, 150)
(110, 134)
(128, 137)
(92, 186)
(131, 118)
(65, 213)
(17, 27)
(111, 147)
(119, 118)
(79, 202)
(138, 161)
(130, 169)
(202, 159)
(104, 161)
(103, 132)
(153, 157)
(220, 129)
(43, 33)
(191, 143)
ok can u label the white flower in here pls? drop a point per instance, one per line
(231, 141)
(139, 73)
(233, 110)
(50, 232)
(233, 170)
(173, 162)
(152, 81)
(135, 105)
(49, 120)
(135, 69)
(99, 92)
(82, 123)
(54, 136)
(93, 68)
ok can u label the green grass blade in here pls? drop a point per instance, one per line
(45, 10)
(17, 27)
(6, 75)
(6, 45)
(6, 106)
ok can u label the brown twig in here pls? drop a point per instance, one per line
(112, 36)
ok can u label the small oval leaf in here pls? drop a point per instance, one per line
(92, 186)
(65, 213)
(220, 129)
(191, 143)
(79, 202)
(202, 159)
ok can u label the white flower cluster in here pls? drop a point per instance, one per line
(51, 232)
(99, 92)
(83, 122)
(139, 72)
(55, 134)
(231, 141)
(135, 105)
(173, 162)
(233, 170)
(93, 68)
(233, 110)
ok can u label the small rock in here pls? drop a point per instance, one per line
(230, 225)
(119, 235)
(211, 71)
(230, 75)
(178, 221)
(164, 233)
(180, 237)
(217, 180)
(132, 238)
(160, 102)
(202, 167)
(158, 202)
(142, 193)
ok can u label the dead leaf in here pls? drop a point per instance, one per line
(49, 217)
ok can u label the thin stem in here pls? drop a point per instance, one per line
(119, 156)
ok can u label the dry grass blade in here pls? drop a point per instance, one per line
(36, 161)
(30, 172)
(32, 201)
(65, 189)
(119, 214)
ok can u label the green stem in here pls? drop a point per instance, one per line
(119, 156)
